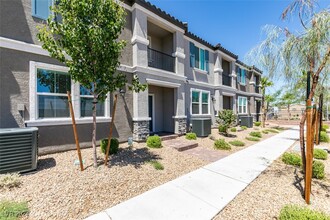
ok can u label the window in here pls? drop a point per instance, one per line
(86, 104)
(200, 102)
(242, 105)
(199, 58)
(241, 75)
(51, 93)
(48, 98)
(41, 8)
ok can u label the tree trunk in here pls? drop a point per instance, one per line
(302, 140)
(289, 114)
(94, 130)
(264, 113)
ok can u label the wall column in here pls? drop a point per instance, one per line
(179, 52)
(180, 118)
(139, 40)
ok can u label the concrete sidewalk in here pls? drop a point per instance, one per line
(203, 193)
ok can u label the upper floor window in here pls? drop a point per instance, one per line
(242, 105)
(200, 102)
(241, 75)
(41, 8)
(199, 58)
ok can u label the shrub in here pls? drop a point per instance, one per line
(237, 143)
(318, 170)
(191, 136)
(114, 145)
(252, 139)
(324, 127)
(243, 127)
(157, 165)
(257, 123)
(233, 129)
(13, 210)
(226, 118)
(320, 154)
(154, 142)
(222, 128)
(292, 159)
(272, 130)
(324, 137)
(256, 134)
(265, 131)
(293, 212)
(221, 144)
(10, 180)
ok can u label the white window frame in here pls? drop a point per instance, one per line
(199, 63)
(238, 105)
(75, 95)
(200, 101)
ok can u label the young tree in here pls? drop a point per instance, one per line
(265, 82)
(226, 118)
(83, 34)
(287, 99)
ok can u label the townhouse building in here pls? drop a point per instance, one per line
(187, 78)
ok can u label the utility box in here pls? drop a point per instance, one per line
(201, 126)
(246, 121)
(18, 149)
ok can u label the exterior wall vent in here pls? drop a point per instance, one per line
(18, 149)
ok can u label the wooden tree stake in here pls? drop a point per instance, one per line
(110, 134)
(75, 131)
(309, 153)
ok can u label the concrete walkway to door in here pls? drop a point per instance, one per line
(203, 193)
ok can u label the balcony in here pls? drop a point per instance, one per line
(160, 60)
(226, 80)
(256, 89)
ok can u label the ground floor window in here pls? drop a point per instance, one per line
(242, 105)
(200, 102)
(48, 95)
(51, 93)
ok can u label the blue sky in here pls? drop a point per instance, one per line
(235, 24)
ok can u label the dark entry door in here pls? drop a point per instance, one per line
(150, 107)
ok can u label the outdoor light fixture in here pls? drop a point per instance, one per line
(122, 92)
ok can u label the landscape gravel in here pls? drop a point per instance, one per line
(276, 187)
(59, 190)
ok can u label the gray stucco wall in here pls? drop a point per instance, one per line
(17, 23)
(14, 84)
(191, 74)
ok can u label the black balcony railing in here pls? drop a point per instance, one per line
(160, 60)
(226, 80)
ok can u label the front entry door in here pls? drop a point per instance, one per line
(151, 111)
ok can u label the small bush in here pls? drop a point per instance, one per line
(324, 137)
(157, 165)
(272, 131)
(233, 129)
(154, 142)
(265, 131)
(256, 134)
(222, 128)
(10, 180)
(257, 123)
(292, 159)
(243, 127)
(320, 154)
(293, 212)
(318, 170)
(237, 143)
(221, 144)
(252, 139)
(191, 136)
(114, 145)
(324, 127)
(13, 210)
